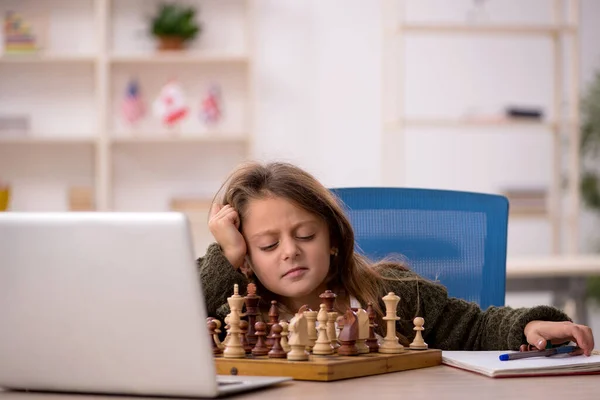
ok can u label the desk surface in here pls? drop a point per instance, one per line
(440, 382)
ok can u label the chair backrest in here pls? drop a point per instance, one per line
(457, 238)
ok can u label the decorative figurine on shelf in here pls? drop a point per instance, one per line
(170, 105)
(174, 25)
(211, 106)
(133, 107)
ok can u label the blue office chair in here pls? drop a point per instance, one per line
(456, 238)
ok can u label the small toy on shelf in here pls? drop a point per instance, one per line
(211, 105)
(170, 105)
(133, 107)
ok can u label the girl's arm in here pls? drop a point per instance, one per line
(454, 324)
(217, 277)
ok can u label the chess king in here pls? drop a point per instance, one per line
(277, 226)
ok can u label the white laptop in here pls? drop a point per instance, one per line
(105, 303)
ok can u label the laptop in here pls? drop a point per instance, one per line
(106, 303)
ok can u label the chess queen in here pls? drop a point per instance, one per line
(278, 226)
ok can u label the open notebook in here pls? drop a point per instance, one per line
(487, 363)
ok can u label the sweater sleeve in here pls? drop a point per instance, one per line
(217, 277)
(455, 324)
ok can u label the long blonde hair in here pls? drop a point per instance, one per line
(350, 274)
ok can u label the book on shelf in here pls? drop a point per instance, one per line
(23, 34)
(488, 363)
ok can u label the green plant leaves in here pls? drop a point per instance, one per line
(175, 20)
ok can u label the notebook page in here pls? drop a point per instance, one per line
(488, 363)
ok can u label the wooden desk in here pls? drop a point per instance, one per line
(440, 382)
(565, 276)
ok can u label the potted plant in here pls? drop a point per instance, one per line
(174, 25)
(590, 171)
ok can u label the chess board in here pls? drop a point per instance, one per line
(329, 368)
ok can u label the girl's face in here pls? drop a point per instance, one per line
(288, 247)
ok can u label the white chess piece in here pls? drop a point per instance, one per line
(284, 336)
(311, 317)
(390, 342)
(233, 347)
(418, 343)
(298, 338)
(323, 344)
(363, 331)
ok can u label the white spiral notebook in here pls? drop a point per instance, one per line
(488, 363)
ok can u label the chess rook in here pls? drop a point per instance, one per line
(311, 318)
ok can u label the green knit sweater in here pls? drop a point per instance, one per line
(450, 323)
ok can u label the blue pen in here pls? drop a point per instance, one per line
(540, 353)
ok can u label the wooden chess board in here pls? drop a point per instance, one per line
(329, 368)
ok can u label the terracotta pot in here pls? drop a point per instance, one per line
(170, 43)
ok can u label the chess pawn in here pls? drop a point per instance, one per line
(390, 343)
(284, 336)
(418, 343)
(363, 331)
(277, 351)
(260, 349)
(311, 318)
(372, 342)
(323, 344)
(244, 330)
(298, 338)
(226, 327)
(349, 335)
(212, 327)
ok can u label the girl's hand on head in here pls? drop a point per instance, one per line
(538, 333)
(224, 223)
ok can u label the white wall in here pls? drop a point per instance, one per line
(319, 86)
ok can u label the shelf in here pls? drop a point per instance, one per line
(468, 123)
(179, 57)
(199, 138)
(44, 58)
(544, 30)
(49, 140)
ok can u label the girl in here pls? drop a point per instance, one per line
(276, 225)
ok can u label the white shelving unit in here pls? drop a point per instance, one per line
(71, 92)
(562, 33)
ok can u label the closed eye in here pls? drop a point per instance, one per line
(269, 247)
(309, 237)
